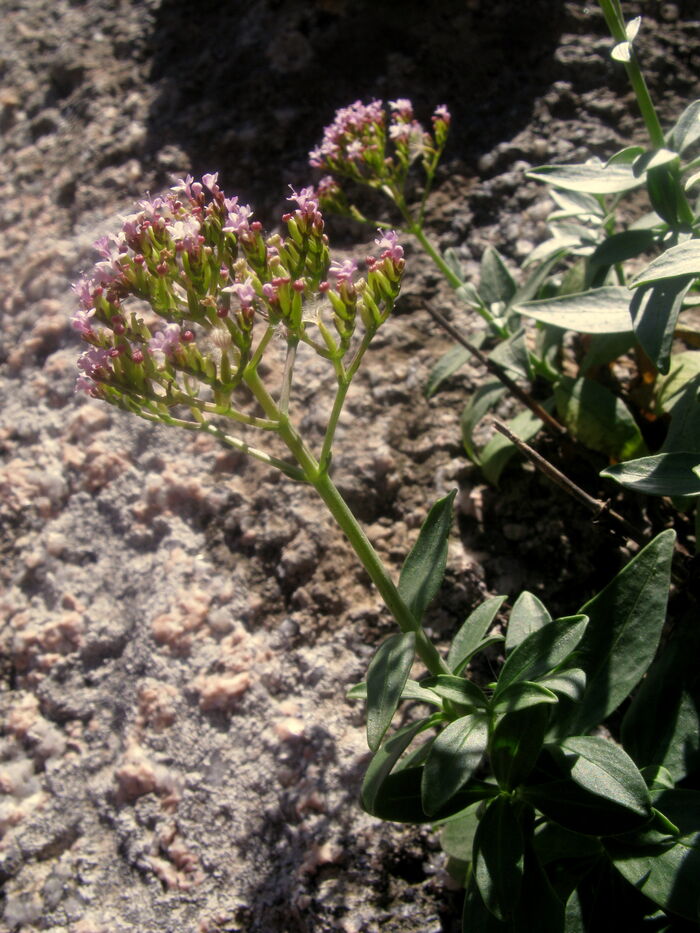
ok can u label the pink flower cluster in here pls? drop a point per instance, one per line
(359, 134)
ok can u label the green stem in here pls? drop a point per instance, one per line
(349, 525)
(612, 11)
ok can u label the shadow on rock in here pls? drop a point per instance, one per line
(247, 88)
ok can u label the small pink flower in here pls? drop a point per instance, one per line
(388, 241)
(165, 341)
(443, 114)
(403, 107)
(92, 360)
(244, 291)
(80, 321)
(210, 181)
(343, 271)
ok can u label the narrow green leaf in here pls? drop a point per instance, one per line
(499, 450)
(411, 691)
(603, 349)
(667, 875)
(423, 569)
(687, 128)
(399, 798)
(472, 632)
(496, 284)
(625, 156)
(485, 398)
(653, 159)
(386, 678)
(680, 260)
(513, 355)
(527, 615)
(598, 418)
(522, 695)
(457, 690)
(453, 758)
(593, 177)
(606, 770)
(453, 261)
(626, 619)
(542, 651)
(457, 836)
(448, 364)
(684, 431)
(661, 475)
(476, 918)
(499, 858)
(569, 683)
(516, 744)
(596, 311)
(655, 311)
(661, 728)
(386, 757)
(684, 369)
(618, 248)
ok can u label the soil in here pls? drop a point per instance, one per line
(178, 625)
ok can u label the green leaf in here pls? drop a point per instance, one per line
(541, 651)
(625, 623)
(496, 284)
(685, 368)
(551, 789)
(596, 311)
(654, 311)
(457, 836)
(603, 349)
(476, 918)
(618, 248)
(423, 569)
(527, 615)
(625, 156)
(457, 690)
(667, 875)
(499, 450)
(687, 128)
(569, 683)
(606, 770)
(660, 475)
(516, 744)
(684, 431)
(598, 418)
(678, 261)
(411, 691)
(471, 633)
(453, 261)
(499, 858)
(522, 695)
(399, 798)
(661, 728)
(485, 398)
(593, 177)
(386, 757)
(652, 159)
(453, 758)
(448, 364)
(512, 354)
(386, 678)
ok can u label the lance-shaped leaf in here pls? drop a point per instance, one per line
(626, 619)
(386, 678)
(618, 248)
(457, 690)
(423, 569)
(593, 177)
(678, 261)
(597, 311)
(569, 683)
(516, 744)
(412, 691)
(597, 418)
(661, 475)
(470, 635)
(453, 758)
(661, 728)
(499, 450)
(606, 770)
(386, 757)
(485, 398)
(497, 284)
(448, 364)
(687, 128)
(541, 651)
(523, 694)
(499, 853)
(655, 309)
(476, 918)
(527, 615)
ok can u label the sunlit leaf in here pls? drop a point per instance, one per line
(423, 569)
(386, 678)
(454, 756)
(596, 311)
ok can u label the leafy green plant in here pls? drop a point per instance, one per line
(533, 809)
(620, 286)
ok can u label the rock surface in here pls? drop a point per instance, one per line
(178, 626)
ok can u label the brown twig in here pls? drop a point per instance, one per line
(500, 373)
(596, 506)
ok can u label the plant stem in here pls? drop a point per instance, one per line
(349, 525)
(612, 11)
